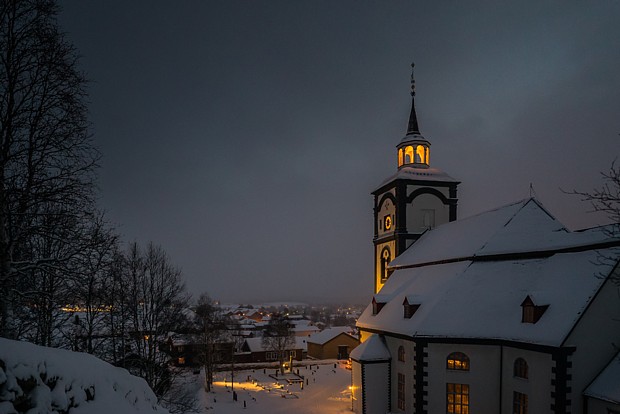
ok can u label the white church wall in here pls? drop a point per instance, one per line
(595, 336)
(376, 387)
(403, 367)
(482, 377)
(537, 386)
(356, 387)
(426, 211)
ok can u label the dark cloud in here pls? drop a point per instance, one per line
(245, 137)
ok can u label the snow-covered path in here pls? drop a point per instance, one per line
(326, 392)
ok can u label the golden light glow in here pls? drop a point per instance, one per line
(408, 154)
(400, 157)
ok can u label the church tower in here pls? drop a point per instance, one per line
(413, 200)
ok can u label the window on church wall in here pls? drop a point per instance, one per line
(401, 353)
(457, 398)
(519, 403)
(457, 361)
(400, 157)
(401, 391)
(408, 155)
(521, 368)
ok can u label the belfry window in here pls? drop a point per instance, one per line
(400, 157)
(408, 155)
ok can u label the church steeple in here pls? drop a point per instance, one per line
(414, 150)
(413, 127)
(410, 202)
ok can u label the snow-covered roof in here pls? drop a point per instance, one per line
(607, 385)
(256, 344)
(373, 349)
(524, 226)
(464, 292)
(328, 334)
(418, 174)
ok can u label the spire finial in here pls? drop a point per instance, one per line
(413, 127)
(412, 80)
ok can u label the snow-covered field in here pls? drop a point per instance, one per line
(325, 390)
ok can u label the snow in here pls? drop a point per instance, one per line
(606, 386)
(523, 226)
(419, 174)
(327, 391)
(372, 349)
(328, 334)
(473, 298)
(57, 380)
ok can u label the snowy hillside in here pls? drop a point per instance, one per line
(46, 380)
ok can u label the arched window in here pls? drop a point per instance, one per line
(521, 368)
(400, 157)
(386, 258)
(401, 353)
(458, 361)
(408, 155)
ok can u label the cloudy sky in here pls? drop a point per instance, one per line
(245, 137)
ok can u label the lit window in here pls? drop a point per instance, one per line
(420, 156)
(386, 258)
(401, 353)
(408, 155)
(458, 361)
(400, 157)
(401, 391)
(521, 369)
(457, 398)
(519, 403)
(181, 361)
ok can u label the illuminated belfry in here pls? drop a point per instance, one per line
(413, 200)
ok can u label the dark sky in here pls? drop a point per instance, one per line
(245, 137)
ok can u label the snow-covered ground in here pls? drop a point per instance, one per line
(37, 379)
(325, 390)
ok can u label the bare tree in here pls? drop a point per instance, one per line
(212, 328)
(155, 301)
(606, 200)
(47, 161)
(278, 337)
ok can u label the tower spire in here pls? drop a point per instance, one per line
(413, 127)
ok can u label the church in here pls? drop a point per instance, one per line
(503, 312)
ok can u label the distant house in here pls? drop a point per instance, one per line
(188, 351)
(253, 350)
(303, 327)
(332, 343)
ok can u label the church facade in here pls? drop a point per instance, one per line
(503, 312)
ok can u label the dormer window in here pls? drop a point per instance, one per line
(409, 307)
(530, 312)
(377, 306)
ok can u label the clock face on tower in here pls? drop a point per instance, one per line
(387, 222)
